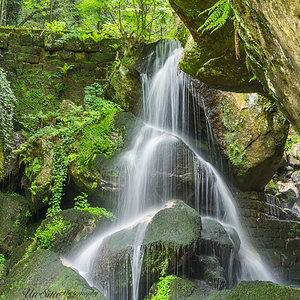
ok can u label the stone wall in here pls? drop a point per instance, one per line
(43, 72)
(278, 241)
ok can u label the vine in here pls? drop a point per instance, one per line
(7, 106)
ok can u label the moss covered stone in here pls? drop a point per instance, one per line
(42, 275)
(79, 225)
(35, 64)
(13, 221)
(257, 290)
(252, 132)
(179, 289)
(125, 88)
(211, 57)
(170, 235)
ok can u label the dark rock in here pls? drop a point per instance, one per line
(296, 177)
(289, 214)
(294, 273)
(43, 272)
(214, 236)
(287, 193)
(211, 272)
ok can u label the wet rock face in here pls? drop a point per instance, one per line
(250, 130)
(270, 31)
(211, 58)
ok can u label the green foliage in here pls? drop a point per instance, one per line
(45, 235)
(56, 26)
(292, 139)
(7, 105)
(272, 186)
(93, 98)
(81, 203)
(133, 21)
(2, 266)
(218, 15)
(66, 67)
(74, 134)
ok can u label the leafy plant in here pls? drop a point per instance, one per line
(81, 203)
(45, 235)
(218, 15)
(7, 106)
(75, 136)
(56, 26)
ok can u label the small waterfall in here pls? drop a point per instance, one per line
(148, 172)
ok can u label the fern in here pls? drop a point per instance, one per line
(218, 15)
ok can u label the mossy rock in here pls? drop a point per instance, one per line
(13, 221)
(79, 226)
(210, 57)
(180, 289)
(41, 275)
(214, 233)
(99, 179)
(266, 29)
(126, 88)
(257, 290)
(251, 131)
(171, 234)
(212, 272)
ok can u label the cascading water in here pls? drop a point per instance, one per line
(148, 172)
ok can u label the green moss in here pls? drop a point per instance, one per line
(174, 288)
(257, 290)
(42, 273)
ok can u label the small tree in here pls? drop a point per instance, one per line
(135, 21)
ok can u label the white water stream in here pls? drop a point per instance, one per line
(146, 187)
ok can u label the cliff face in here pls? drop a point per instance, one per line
(270, 32)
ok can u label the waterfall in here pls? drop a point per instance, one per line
(148, 171)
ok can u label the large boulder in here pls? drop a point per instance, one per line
(169, 236)
(250, 130)
(270, 33)
(211, 57)
(77, 226)
(125, 88)
(14, 216)
(42, 275)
